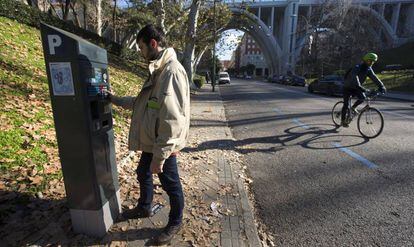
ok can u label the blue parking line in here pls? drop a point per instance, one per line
(295, 120)
(278, 110)
(364, 161)
(300, 124)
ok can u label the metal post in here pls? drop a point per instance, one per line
(213, 82)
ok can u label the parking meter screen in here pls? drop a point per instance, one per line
(100, 76)
(98, 82)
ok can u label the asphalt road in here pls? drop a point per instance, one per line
(316, 185)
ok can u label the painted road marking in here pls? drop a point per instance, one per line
(278, 110)
(364, 161)
(354, 155)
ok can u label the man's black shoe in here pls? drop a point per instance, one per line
(137, 212)
(167, 235)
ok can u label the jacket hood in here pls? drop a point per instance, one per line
(167, 55)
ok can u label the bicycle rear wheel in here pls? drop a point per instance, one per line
(336, 113)
(370, 122)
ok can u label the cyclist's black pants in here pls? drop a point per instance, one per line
(348, 93)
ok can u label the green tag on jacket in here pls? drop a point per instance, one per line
(153, 105)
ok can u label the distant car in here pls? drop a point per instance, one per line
(224, 78)
(248, 77)
(330, 85)
(296, 80)
(274, 79)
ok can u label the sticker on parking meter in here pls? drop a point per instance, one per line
(62, 82)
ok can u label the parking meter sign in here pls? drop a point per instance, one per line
(61, 76)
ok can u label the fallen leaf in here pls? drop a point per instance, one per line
(2, 185)
(36, 180)
(22, 187)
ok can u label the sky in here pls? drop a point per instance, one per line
(228, 43)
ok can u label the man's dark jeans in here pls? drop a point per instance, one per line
(170, 182)
(348, 93)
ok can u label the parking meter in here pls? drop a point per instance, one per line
(77, 72)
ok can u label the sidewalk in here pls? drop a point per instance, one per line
(217, 210)
(399, 96)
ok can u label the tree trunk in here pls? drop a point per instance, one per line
(66, 10)
(53, 8)
(85, 16)
(198, 58)
(190, 39)
(75, 15)
(161, 19)
(114, 22)
(99, 17)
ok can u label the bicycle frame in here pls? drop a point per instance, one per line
(371, 97)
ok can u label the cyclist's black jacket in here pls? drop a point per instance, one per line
(357, 76)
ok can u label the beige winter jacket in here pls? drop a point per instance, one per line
(161, 111)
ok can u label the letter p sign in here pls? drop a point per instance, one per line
(54, 41)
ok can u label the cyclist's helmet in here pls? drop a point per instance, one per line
(370, 57)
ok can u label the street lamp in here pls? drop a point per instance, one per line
(213, 81)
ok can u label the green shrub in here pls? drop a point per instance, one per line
(199, 81)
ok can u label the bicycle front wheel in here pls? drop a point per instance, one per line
(336, 113)
(370, 122)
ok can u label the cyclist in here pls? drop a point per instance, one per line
(354, 79)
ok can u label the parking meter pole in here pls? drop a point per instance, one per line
(77, 72)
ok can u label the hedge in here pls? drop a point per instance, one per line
(199, 80)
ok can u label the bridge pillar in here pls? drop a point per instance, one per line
(409, 22)
(381, 10)
(259, 13)
(272, 20)
(289, 36)
(309, 13)
(395, 16)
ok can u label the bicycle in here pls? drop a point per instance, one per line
(370, 120)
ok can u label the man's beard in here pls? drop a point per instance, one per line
(152, 53)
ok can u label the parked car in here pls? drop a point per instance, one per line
(223, 78)
(247, 77)
(330, 84)
(296, 80)
(293, 80)
(275, 78)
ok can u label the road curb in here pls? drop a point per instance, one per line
(397, 98)
(247, 215)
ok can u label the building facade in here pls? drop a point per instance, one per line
(247, 53)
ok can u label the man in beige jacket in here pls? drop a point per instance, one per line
(159, 127)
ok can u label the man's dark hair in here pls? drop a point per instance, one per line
(152, 32)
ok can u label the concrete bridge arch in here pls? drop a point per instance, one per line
(251, 24)
(280, 19)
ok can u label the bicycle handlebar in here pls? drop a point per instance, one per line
(373, 94)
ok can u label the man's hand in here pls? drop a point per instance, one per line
(109, 93)
(156, 168)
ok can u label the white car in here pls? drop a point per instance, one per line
(223, 78)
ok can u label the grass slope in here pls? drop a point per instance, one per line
(29, 159)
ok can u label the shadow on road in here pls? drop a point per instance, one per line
(315, 134)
